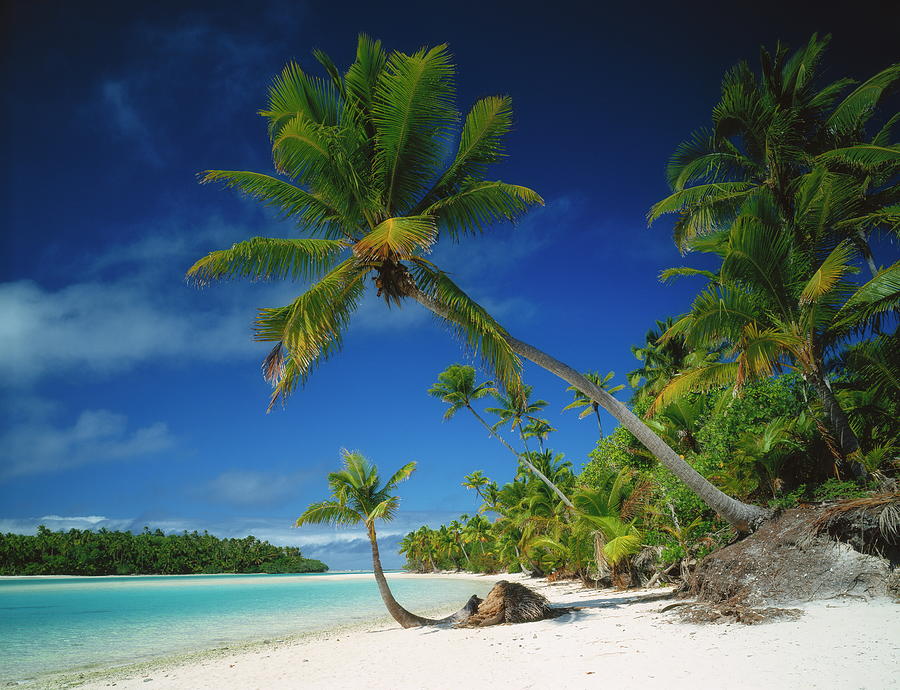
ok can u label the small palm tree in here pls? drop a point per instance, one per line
(359, 497)
(587, 402)
(456, 386)
(477, 481)
(539, 429)
(610, 514)
(516, 410)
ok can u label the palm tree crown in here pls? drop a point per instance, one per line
(456, 386)
(357, 494)
(374, 169)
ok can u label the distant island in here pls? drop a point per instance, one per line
(106, 552)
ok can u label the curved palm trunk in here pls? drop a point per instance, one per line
(838, 421)
(400, 614)
(523, 458)
(742, 516)
(599, 423)
(867, 252)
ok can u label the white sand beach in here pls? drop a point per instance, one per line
(618, 638)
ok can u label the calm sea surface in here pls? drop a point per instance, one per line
(49, 624)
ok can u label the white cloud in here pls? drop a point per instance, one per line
(118, 103)
(38, 446)
(249, 488)
(107, 327)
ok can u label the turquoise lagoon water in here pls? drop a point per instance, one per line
(50, 624)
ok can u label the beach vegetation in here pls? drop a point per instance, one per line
(109, 552)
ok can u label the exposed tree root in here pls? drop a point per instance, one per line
(808, 553)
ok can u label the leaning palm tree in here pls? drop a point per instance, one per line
(456, 386)
(362, 162)
(586, 402)
(359, 497)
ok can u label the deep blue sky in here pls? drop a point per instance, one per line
(132, 399)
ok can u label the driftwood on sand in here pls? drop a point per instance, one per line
(511, 602)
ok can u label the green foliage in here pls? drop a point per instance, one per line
(744, 415)
(837, 490)
(789, 500)
(105, 552)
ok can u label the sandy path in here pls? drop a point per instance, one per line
(618, 639)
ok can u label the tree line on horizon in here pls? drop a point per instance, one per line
(108, 552)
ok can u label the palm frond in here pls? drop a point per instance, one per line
(404, 236)
(400, 475)
(681, 271)
(413, 113)
(852, 113)
(268, 258)
(691, 196)
(871, 302)
(309, 211)
(619, 548)
(717, 315)
(362, 76)
(863, 156)
(294, 93)
(827, 276)
(478, 204)
(385, 510)
(705, 158)
(310, 328)
(700, 379)
(885, 134)
(475, 325)
(329, 513)
(301, 150)
(481, 141)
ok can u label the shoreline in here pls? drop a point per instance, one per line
(102, 577)
(844, 643)
(104, 673)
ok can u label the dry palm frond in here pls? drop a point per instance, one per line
(887, 506)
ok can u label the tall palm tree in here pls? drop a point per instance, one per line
(586, 402)
(362, 159)
(359, 497)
